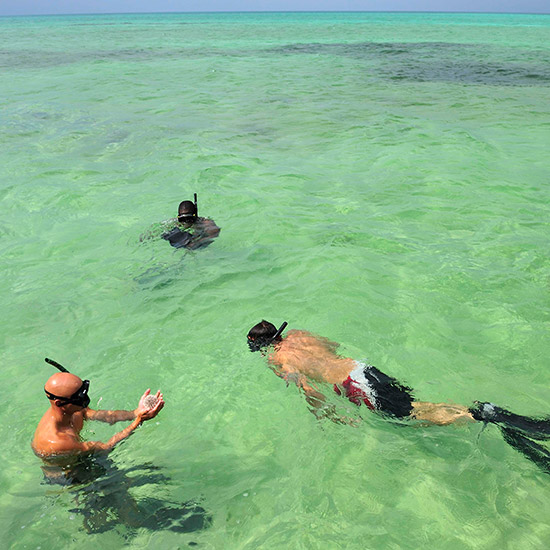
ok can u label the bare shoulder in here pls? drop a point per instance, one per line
(297, 332)
(304, 339)
(296, 335)
(55, 445)
(208, 225)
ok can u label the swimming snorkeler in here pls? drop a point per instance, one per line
(57, 438)
(187, 230)
(307, 360)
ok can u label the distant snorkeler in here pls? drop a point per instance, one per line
(307, 360)
(187, 230)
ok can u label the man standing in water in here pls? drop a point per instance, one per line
(306, 360)
(102, 494)
(57, 437)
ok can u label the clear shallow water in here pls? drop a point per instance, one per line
(380, 179)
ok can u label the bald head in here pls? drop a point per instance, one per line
(65, 388)
(63, 384)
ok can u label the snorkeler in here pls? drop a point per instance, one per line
(187, 230)
(305, 359)
(57, 438)
(101, 491)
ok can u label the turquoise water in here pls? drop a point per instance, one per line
(380, 179)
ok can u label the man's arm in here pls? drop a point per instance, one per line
(98, 446)
(109, 416)
(204, 235)
(141, 414)
(315, 399)
(318, 405)
(118, 416)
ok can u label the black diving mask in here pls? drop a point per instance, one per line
(256, 344)
(80, 397)
(187, 219)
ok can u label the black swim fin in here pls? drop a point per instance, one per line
(535, 428)
(533, 451)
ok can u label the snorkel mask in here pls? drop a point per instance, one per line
(256, 344)
(189, 217)
(80, 397)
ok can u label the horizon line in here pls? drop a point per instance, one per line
(270, 11)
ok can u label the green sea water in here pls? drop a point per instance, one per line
(379, 179)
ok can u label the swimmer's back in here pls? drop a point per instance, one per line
(313, 356)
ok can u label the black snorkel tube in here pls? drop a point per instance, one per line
(279, 332)
(56, 364)
(196, 207)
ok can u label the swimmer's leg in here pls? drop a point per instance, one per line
(441, 414)
(533, 451)
(536, 428)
